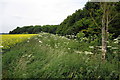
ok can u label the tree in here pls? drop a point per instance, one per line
(108, 15)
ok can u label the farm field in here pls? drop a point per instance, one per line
(46, 55)
(10, 40)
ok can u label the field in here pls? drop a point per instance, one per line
(10, 40)
(51, 56)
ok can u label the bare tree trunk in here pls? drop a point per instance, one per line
(107, 23)
(107, 28)
(104, 44)
(106, 19)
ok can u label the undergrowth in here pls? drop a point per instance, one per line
(53, 56)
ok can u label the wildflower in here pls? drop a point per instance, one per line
(78, 52)
(109, 46)
(40, 35)
(114, 47)
(72, 36)
(69, 48)
(91, 46)
(30, 55)
(28, 41)
(116, 42)
(63, 37)
(56, 47)
(99, 46)
(116, 39)
(40, 41)
(86, 52)
(1, 46)
(24, 55)
(99, 76)
(114, 52)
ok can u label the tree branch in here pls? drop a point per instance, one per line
(94, 20)
(112, 18)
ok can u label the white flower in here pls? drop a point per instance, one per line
(30, 55)
(72, 36)
(28, 41)
(86, 52)
(99, 76)
(114, 47)
(56, 47)
(114, 52)
(40, 41)
(91, 46)
(40, 35)
(109, 46)
(69, 48)
(78, 52)
(24, 55)
(116, 42)
(1, 46)
(116, 39)
(99, 46)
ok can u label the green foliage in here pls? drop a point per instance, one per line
(82, 20)
(80, 35)
(34, 29)
(114, 28)
(53, 56)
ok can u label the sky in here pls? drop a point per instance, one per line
(20, 13)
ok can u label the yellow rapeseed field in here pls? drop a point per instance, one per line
(8, 40)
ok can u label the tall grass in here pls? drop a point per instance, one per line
(52, 56)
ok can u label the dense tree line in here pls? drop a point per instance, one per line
(34, 29)
(83, 20)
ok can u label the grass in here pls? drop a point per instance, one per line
(51, 56)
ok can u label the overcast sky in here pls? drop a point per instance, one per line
(20, 13)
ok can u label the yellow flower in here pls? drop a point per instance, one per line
(9, 40)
